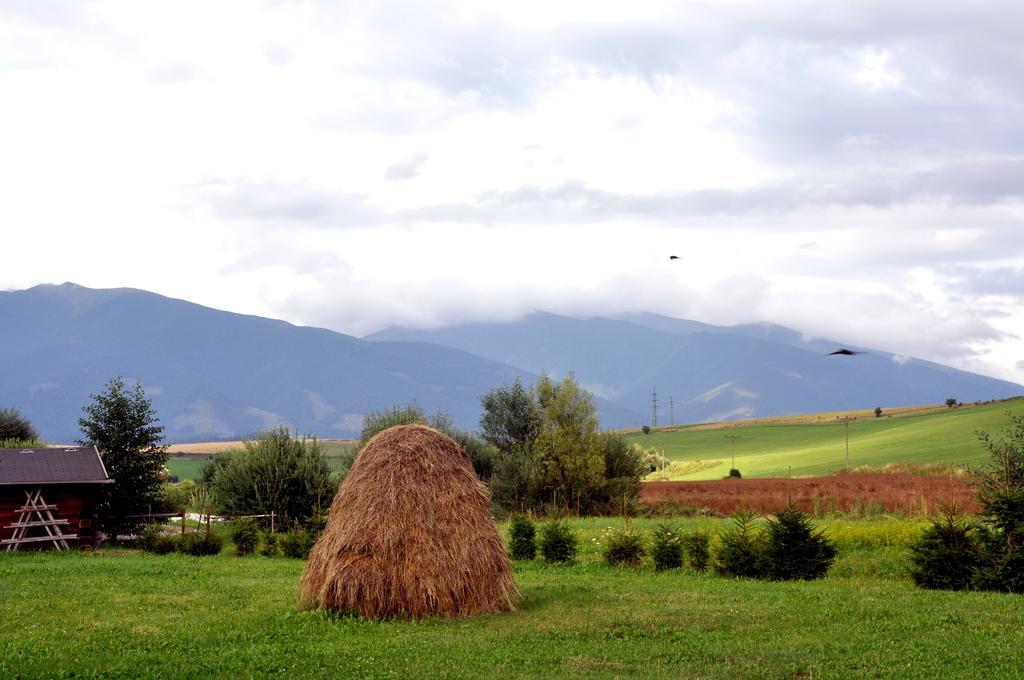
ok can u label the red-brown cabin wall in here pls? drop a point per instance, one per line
(74, 503)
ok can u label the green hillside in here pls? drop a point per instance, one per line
(943, 435)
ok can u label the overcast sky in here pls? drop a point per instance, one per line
(852, 170)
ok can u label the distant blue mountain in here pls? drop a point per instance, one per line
(710, 372)
(215, 374)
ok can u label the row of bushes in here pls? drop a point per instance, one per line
(245, 533)
(788, 547)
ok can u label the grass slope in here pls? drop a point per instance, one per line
(126, 615)
(815, 444)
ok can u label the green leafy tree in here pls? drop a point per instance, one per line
(274, 472)
(16, 428)
(569, 442)
(123, 425)
(511, 420)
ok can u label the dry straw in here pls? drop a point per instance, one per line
(410, 535)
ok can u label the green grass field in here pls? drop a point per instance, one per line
(123, 614)
(813, 448)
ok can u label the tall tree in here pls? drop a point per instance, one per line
(122, 424)
(511, 419)
(569, 443)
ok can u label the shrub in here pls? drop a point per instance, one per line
(946, 555)
(164, 544)
(1001, 494)
(522, 538)
(793, 549)
(558, 541)
(878, 411)
(666, 548)
(296, 543)
(200, 544)
(276, 471)
(246, 535)
(623, 547)
(152, 538)
(739, 549)
(147, 536)
(268, 544)
(646, 429)
(733, 472)
(697, 545)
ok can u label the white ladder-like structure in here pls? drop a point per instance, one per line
(43, 518)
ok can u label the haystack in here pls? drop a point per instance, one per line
(410, 535)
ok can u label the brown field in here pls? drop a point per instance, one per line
(856, 492)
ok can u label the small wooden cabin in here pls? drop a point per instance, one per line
(48, 497)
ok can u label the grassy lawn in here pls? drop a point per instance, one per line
(120, 613)
(813, 448)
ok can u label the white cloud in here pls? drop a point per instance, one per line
(854, 174)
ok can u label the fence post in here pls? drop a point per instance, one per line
(271, 521)
(182, 522)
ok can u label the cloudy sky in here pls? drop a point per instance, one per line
(854, 171)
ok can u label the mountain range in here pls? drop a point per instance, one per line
(214, 375)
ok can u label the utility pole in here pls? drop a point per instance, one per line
(846, 421)
(732, 439)
(671, 411)
(654, 407)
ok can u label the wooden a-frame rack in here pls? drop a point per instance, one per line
(37, 514)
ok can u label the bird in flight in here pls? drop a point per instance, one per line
(845, 352)
(673, 257)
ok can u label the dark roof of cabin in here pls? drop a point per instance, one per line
(72, 465)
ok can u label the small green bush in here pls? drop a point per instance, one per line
(558, 542)
(697, 545)
(200, 544)
(739, 549)
(522, 538)
(793, 549)
(268, 544)
(623, 547)
(165, 544)
(147, 536)
(296, 543)
(246, 535)
(666, 548)
(733, 472)
(946, 555)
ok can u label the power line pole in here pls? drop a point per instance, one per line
(732, 440)
(671, 411)
(846, 421)
(654, 407)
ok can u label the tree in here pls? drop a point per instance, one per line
(273, 472)
(878, 411)
(14, 427)
(569, 442)
(122, 424)
(951, 402)
(511, 419)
